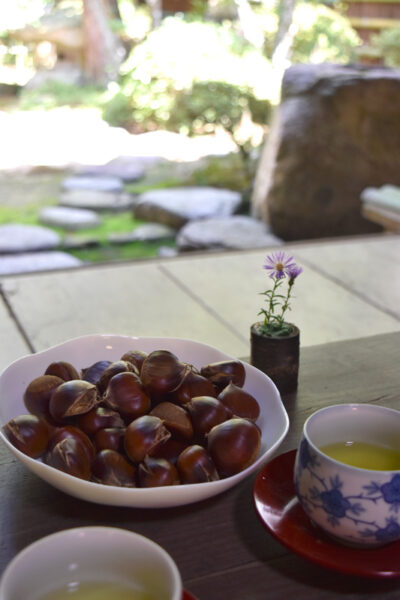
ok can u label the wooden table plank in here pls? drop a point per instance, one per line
(129, 299)
(220, 546)
(12, 343)
(323, 309)
(369, 267)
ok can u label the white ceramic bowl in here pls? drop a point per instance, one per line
(84, 351)
(356, 506)
(71, 557)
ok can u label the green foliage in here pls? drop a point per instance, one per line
(208, 104)
(53, 94)
(388, 44)
(171, 60)
(225, 172)
(323, 35)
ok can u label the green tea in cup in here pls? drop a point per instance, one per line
(97, 590)
(364, 455)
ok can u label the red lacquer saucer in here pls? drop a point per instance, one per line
(277, 505)
(187, 596)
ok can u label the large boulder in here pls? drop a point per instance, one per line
(336, 132)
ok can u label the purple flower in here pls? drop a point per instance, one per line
(279, 264)
(293, 272)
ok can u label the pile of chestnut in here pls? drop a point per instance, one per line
(145, 420)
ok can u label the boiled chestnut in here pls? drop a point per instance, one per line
(222, 372)
(239, 402)
(69, 431)
(195, 465)
(62, 369)
(37, 394)
(111, 468)
(110, 438)
(70, 455)
(29, 434)
(155, 472)
(144, 435)
(136, 357)
(125, 394)
(97, 418)
(161, 373)
(72, 398)
(95, 371)
(205, 413)
(118, 366)
(233, 445)
(193, 384)
(175, 419)
(170, 450)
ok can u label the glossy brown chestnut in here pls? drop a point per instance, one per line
(72, 398)
(143, 436)
(110, 438)
(118, 366)
(29, 434)
(70, 455)
(222, 372)
(95, 371)
(239, 402)
(170, 450)
(161, 373)
(193, 384)
(175, 419)
(155, 472)
(206, 412)
(126, 394)
(111, 468)
(69, 431)
(195, 465)
(233, 445)
(37, 394)
(97, 418)
(136, 357)
(62, 369)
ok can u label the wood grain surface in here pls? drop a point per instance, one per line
(220, 545)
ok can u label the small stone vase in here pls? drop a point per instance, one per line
(277, 357)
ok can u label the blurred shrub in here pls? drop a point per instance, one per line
(388, 44)
(322, 35)
(208, 104)
(161, 72)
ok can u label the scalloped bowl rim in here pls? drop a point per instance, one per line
(84, 351)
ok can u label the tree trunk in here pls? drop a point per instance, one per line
(103, 52)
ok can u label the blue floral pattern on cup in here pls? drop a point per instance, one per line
(328, 496)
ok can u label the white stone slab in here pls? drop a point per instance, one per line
(26, 238)
(69, 218)
(36, 261)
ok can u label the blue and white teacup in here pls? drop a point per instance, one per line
(356, 505)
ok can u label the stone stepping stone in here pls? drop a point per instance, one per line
(27, 238)
(176, 206)
(236, 232)
(36, 261)
(94, 200)
(69, 218)
(126, 168)
(148, 232)
(93, 183)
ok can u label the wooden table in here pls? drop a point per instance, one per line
(220, 545)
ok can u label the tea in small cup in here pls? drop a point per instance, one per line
(347, 473)
(90, 563)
